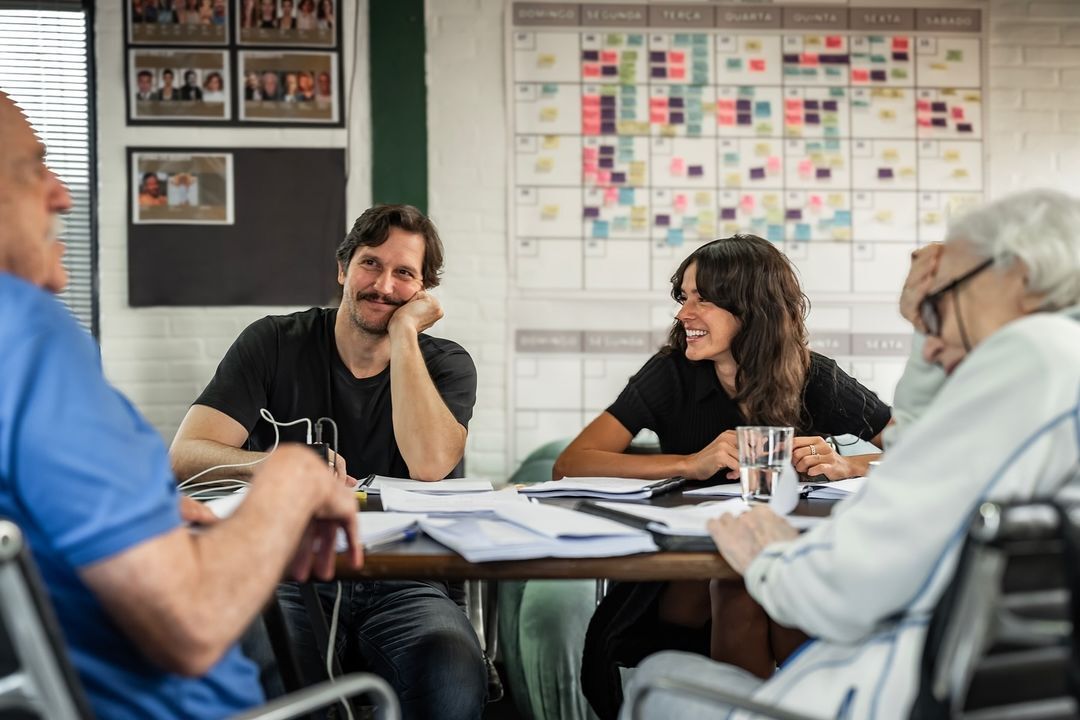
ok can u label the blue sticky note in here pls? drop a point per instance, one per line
(600, 229)
(734, 63)
(842, 217)
(675, 236)
(802, 231)
(762, 108)
(775, 233)
(626, 196)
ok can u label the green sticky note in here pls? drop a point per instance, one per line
(734, 63)
(731, 158)
(614, 40)
(954, 56)
(898, 74)
(635, 40)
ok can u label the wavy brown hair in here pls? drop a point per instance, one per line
(751, 279)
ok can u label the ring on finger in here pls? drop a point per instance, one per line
(813, 450)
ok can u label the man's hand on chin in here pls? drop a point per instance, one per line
(417, 315)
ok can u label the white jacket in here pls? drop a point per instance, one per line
(1006, 425)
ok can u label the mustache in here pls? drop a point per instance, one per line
(376, 297)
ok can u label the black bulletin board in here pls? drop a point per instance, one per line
(289, 219)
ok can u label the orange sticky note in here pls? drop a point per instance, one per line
(859, 75)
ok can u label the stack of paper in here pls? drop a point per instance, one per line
(608, 488)
(691, 519)
(837, 490)
(441, 487)
(725, 490)
(518, 531)
(454, 503)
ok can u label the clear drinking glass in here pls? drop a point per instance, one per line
(763, 453)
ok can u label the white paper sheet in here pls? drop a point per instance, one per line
(413, 502)
(441, 487)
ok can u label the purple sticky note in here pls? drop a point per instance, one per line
(900, 57)
(793, 214)
(830, 105)
(607, 101)
(606, 163)
(757, 173)
(742, 105)
(592, 212)
(833, 59)
(609, 70)
(793, 58)
(675, 118)
(878, 76)
(939, 122)
(694, 170)
(607, 113)
(659, 72)
(812, 104)
(823, 173)
(663, 220)
(590, 55)
(607, 149)
(607, 128)
(963, 127)
(939, 107)
(675, 102)
(657, 56)
(745, 119)
(727, 213)
(884, 174)
(618, 177)
(813, 119)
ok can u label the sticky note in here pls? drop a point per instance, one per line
(815, 202)
(806, 167)
(883, 216)
(772, 165)
(752, 45)
(545, 60)
(757, 65)
(954, 56)
(834, 41)
(549, 212)
(887, 115)
(734, 64)
(677, 166)
(836, 200)
(732, 180)
(802, 231)
(951, 156)
(662, 220)
(549, 114)
(600, 229)
(762, 108)
(731, 158)
(551, 142)
(611, 196)
(544, 165)
(757, 173)
(958, 113)
(860, 75)
(747, 203)
(680, 202)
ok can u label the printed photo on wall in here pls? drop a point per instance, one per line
(289, 87)
(310, 23)
(182, 188)
(179, 85)
(178, 22)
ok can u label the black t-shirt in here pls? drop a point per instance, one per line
(683, 402)
(289, 364)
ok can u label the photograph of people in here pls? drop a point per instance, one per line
(324, 89)
(287, 19)
(213, 88)
(305, 16)
(191, 89)
(252, 90)
(189, 15)
(268, 15)
(249, 17)
(269, 87)
(326, 15)
(145, 82)
(150, 191)
(167, 91)
(291, 88)
(307, 87)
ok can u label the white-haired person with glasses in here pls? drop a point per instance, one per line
(998, 305)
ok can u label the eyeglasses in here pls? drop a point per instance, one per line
(928, 307)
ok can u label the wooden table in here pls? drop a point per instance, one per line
(425, 558)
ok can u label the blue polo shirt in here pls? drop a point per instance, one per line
(86, 477)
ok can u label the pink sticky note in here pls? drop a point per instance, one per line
(609, 56)
(590, 128)
(923, 105)
(773, 164)
(725, 104)
(860, 75)
(747, 203)
(603, 177)
(590, 70)
(590, 113)
(793, 118)
(678, 166)
(589, 169)
(834, 41)
(677, 73)
(958, 113)
(900, 44)
(806, 167)
(590, 153)
(680, 203)
(809, 59)
(725, 119)
(658, 116)
(924, 122)
(757, 65)
(611, 195)
(658, 102)
(793, 104)
(816, 201)
(677, 56)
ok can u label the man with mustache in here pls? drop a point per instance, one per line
(402, 401)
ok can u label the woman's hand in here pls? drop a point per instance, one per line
(741, 539)
(815, 458)
(720, 453)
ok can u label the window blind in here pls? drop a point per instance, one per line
(45, 68)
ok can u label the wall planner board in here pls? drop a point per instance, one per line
(847, 134)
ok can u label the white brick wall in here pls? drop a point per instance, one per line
(155, 354)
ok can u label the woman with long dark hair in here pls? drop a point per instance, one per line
(737, 354)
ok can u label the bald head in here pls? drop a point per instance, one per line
(31, 197)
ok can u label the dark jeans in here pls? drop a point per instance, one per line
(409, 633)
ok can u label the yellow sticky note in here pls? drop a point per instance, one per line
(817, 158)
(887, 114)
(812, 41)
(771, 200)
(951, 156)
(549, 114)
(939, 66)
(836, 200)
(549, 212)
(545, 60)
(960, 173)
(761, 150)
(972, 98)
(544, 165)
(883, 216)
(753, 45)
(841, 233)
(931, 218)
(551, 142)
(907, 172)
(702, 199)
(774, 216)
(836, 161)
(890, 154)
(638, 211)
(732, 179)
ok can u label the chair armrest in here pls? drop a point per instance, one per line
(326, 693)
(710, 694)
